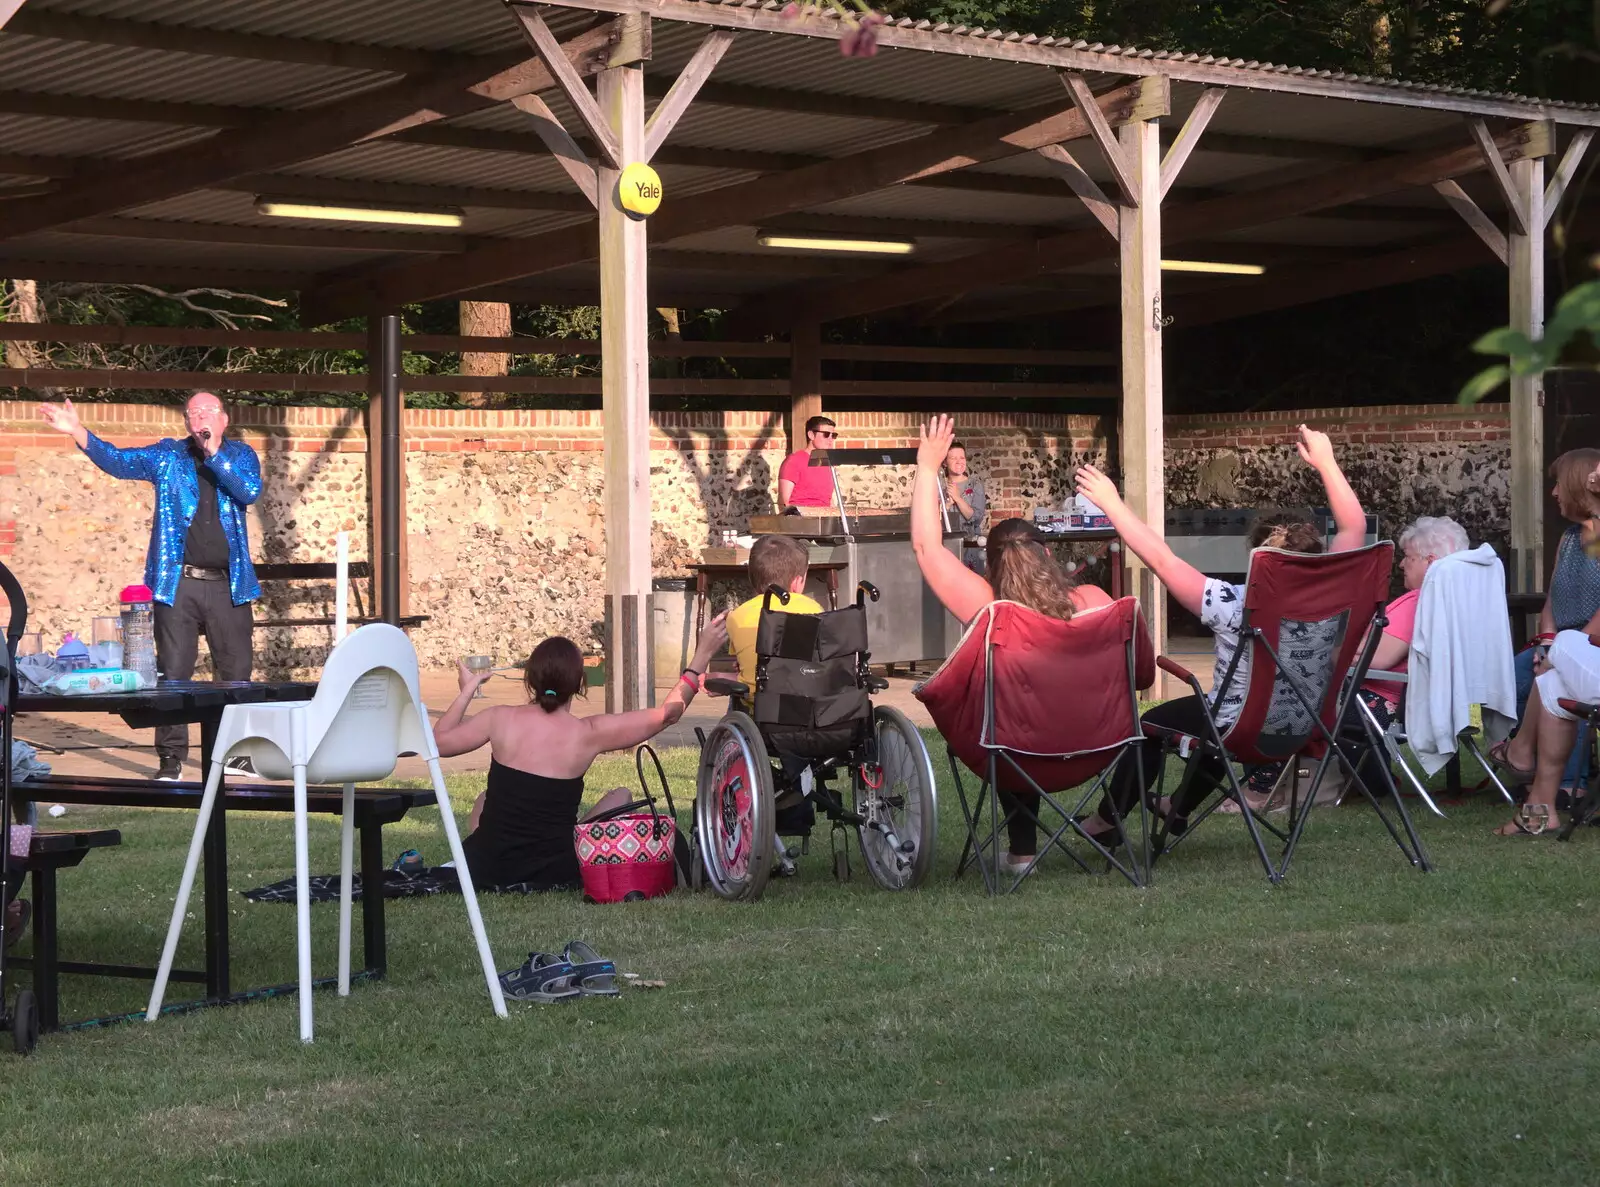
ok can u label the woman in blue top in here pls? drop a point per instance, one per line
(1573, 603)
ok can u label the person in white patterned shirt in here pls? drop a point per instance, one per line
(1220, 606)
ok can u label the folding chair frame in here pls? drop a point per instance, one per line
(984, 853)
(1394, 740)
(1213, 746)
(1582, 806)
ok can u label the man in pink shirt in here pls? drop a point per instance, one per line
(802, 485)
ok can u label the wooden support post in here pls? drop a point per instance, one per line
(805, 380)
(625, 399)
(1526, 244)
(1139, 237)
(386, 484)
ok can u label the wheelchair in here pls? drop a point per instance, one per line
(769, 764)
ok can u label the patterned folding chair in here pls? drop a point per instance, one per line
(1041, 705)
(1311, 625)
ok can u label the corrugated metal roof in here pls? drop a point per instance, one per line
(464, 26)
(962, 75)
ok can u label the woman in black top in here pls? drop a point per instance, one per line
(540, 752)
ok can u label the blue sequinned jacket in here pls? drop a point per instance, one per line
(169, 467)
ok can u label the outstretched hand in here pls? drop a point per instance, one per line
(63, 417)
(713, 638)
(937, 435)
(1097, 488)
(1314, 448)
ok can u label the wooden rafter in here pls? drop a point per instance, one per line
(1570, 160)
(1189, 137)
(1080, 183)
(1515, 207)
(684, 89)
(572, 158)
(1185, 222)
(736, 205)
(288, 138)
(1105, 139)
(1482, 225)
(571, 84)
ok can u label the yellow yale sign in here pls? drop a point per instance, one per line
(639, 190)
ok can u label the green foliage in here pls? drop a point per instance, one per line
(1538, 47)
(1571, 338)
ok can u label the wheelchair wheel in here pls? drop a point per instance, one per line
(900, 803)
(734, 811)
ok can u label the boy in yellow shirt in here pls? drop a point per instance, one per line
(774, 560)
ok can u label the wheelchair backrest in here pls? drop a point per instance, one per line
(809, 669)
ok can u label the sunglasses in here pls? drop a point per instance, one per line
(827, 434)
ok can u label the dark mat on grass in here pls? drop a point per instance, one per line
(396, 884)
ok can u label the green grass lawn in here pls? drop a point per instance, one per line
(1361, 1023)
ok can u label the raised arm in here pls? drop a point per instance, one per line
(1350, 521)
(138, 463)
(958, 588)
(457, 733)
(1183, 580)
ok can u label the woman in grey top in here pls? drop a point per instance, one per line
(969, 505)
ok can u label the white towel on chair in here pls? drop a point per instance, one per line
(1460, 656)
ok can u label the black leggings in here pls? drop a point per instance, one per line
(1187, 715)
(1022, 827)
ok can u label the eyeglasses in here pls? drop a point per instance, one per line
(826, 435)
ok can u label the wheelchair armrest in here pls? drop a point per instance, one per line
(721, 686)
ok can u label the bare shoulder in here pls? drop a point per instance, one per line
(1087, 597)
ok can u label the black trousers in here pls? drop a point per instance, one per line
(1187, 715)
(201, 607)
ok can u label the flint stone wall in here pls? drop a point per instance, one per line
(505, 531)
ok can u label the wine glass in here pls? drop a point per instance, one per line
(478, 663)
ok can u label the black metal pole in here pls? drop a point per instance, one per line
(389, 466)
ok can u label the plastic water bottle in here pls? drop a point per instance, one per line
(139, 633)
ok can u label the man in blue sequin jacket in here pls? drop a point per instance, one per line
(199, 559)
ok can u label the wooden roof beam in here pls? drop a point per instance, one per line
(920, 157)
(1184, 222)
(291, 137)
(1482, 225)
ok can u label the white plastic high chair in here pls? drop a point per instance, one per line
(367, 711)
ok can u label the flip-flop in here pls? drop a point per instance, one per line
(593, 974)
(1497, 755)
(544, 978)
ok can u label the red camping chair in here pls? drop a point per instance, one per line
(1035, 704)
(1311, 625)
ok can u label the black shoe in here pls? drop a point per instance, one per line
(238, 767)
(170, 771)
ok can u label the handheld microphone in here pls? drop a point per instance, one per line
(205, 434)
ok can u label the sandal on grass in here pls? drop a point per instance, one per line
(594, 975)
(1500, 755)
(1531, 820)
(544, 978)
